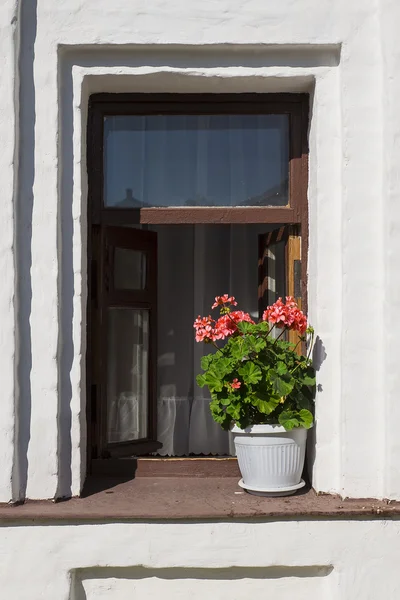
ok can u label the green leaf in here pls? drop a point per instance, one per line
(246, 327)
(224, 420)
(288, 420)
(225, 401)
(222, 366)
(233, 411)
(253, 344)
(308, 380)
(206, 361)
(281, 368)
(303, 398)
(264, 406)
(250, 372)
(282, 386)
(213, 381)
(260, 344)
(215, 407)
(306, 418)
(200, 380)
(263, 327)
(235, 347)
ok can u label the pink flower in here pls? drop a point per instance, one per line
(225, 327)
(227, 324)
(204, 329)
(236, 384)
(239, 315)
(209, 330)
(291, 302)
(286, 315)
(225, 299)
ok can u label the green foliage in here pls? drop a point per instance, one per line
(255, 379)
(291, 418)
(250, 372)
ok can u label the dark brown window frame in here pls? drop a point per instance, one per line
(296, 106)
(143, 299)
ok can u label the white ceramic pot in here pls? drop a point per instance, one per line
(270, 458)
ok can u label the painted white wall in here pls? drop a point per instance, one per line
(54, 55)
(347, 55)
(391, 233)
(340, 560)
(8, 170)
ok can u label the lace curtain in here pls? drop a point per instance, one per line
(195, 264)
(189, 160)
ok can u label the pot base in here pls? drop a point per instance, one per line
(284, 491)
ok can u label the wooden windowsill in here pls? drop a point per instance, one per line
(160, 498)
(167, 467)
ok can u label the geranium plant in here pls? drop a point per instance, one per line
(254, 377)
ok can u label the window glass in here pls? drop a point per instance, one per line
(129, 269)
(196, 160)
(127, 374)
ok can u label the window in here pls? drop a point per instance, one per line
(189, 196)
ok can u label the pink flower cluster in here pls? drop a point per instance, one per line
(286, 315)
(225, 299)
(236, 384)
(210, 330)
(204, 327)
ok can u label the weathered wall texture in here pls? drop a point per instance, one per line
(347, 55)
(320, 561)
(54, 55)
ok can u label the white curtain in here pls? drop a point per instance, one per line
(196, 160)
(195, 264)
(189, 160)
(127, 374)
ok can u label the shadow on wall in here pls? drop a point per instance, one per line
(99, 582)
(66, 288)
(23, 235)
(24, 209)
(319, 356)
(24, 213)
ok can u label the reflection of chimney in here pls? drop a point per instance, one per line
(130, 201)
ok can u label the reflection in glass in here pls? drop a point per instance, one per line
(276, 257)
(196, 160)
(129, 269)
(127, 374)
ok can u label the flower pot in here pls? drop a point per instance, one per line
(270, 459)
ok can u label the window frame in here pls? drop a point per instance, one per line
(110, 297)
(296, 106)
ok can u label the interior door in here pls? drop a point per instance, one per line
(125, 356)
(279, 268)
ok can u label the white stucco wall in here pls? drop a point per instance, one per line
(347, 55)
(9, 169)
(55, 54)
(315, 560)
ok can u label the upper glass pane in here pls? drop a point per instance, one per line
(129, 269)
(196, 160)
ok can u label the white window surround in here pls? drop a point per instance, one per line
(321, 81)
(352, 437)
(347, 54)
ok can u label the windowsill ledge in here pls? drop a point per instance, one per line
(159, 498)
